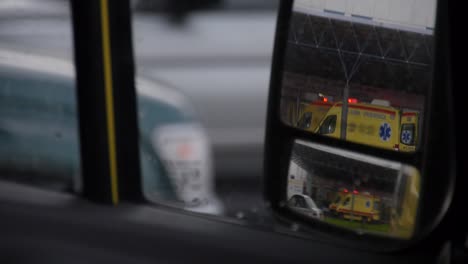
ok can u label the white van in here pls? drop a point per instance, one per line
(305, 205)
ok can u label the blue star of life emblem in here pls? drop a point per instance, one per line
(406, 137)
(385, 132)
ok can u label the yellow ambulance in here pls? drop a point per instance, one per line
(312, 113)
(359, 206)
(339, 197)
(381, 126)
(409, 131)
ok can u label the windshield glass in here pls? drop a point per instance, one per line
(311, 203)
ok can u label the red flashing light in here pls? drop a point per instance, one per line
(345, 190)
(352, 100)
(355, 192)
(325, 99)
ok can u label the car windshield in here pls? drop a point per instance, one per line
(311, 203)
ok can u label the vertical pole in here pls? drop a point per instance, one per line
(344, 112)
(106, 100)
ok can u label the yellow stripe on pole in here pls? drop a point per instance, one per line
(107, 62)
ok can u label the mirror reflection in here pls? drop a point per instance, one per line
(353, 191)
(359, 72)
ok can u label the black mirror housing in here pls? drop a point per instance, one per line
(434, 159)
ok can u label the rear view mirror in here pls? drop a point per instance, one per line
(362, 77)
(358, 192)
(359, 139)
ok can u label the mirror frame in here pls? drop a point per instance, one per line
(438, 144)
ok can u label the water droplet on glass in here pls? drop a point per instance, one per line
(240, 215)
(294, 227)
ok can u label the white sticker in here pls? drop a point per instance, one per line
(186, 153)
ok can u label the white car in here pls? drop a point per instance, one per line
(305, 205)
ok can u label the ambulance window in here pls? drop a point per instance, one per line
(328, 125)
(305, 120)
(346, 202)
(376, 205)
(407, 134)
(368, 203)
(338, 198)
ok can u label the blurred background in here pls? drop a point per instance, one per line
(216, 52)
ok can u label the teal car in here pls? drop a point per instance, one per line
(39, 141)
